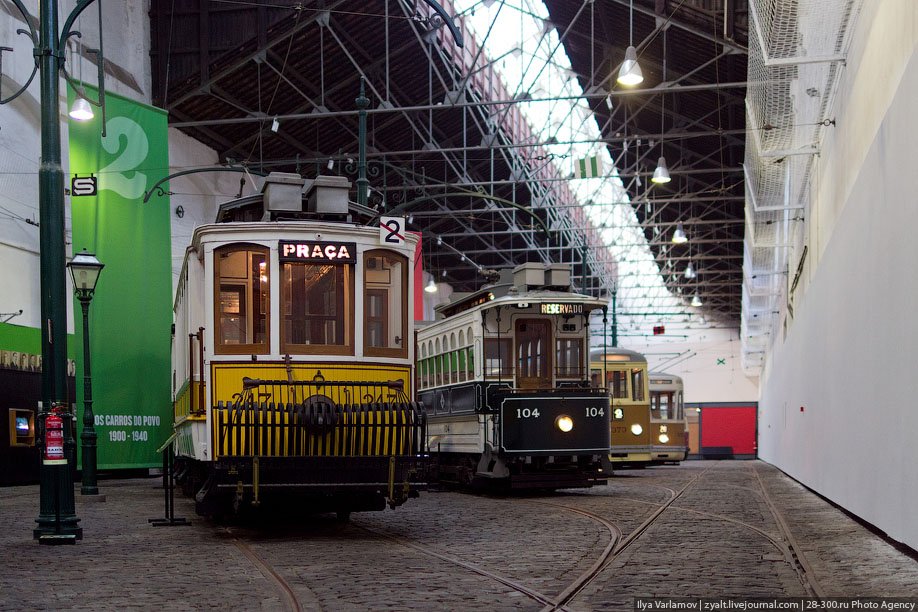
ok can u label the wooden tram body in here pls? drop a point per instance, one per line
(292, 357)
(625, 375)
(668, 421)
(504, 376)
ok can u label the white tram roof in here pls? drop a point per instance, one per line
(664, 378)
(616, 353)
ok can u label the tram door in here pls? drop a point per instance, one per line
(533, 354)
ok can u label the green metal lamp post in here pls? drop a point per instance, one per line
(85, 270)
(57, 521)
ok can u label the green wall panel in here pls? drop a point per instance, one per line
(131, 312)
(26, 340)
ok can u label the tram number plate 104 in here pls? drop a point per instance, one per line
(553, 423)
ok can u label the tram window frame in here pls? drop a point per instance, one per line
(387, 288)
(503, 358)
(463, 364)
(253, 295)
(638, 380)
(565, 368)
(347, 319)
(618, 382)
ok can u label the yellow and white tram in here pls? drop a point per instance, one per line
(668, 422)
(292, 356)
(504, 376)
(625, 375)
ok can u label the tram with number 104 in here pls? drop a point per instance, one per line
(292, 357)
(625, 375)
(668, 422)
(503, 373)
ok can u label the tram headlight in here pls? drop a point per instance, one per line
(636, 429)
(564, 423)
(664, 438)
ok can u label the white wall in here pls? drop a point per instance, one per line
(848, 356)
(694, 353)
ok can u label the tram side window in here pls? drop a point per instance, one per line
(241, 304)
(569, 358)
(463, 364)
(317, 307)
(385, 295)
(497, 357)
(637, 384)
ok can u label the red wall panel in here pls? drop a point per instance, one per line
(732, 426)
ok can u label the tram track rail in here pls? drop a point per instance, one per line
(287, 595)
(800, 562)
(619, 542)
(472, 567)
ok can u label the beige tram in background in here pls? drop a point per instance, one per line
(668, 421)
(625, 375)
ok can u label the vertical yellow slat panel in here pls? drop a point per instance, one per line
(387, 431)
(372, 433)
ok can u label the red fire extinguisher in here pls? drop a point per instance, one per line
(54, 440)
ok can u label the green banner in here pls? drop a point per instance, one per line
(131, 312)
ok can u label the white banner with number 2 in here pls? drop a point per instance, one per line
(392, 230)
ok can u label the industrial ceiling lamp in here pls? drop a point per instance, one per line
(661, 174)
(81, 110)
(689, 271)
(696, 301)
(679, 236)
(629, 74)
(431, 286)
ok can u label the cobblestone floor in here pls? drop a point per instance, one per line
(453, 551)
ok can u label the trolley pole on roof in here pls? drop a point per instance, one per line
(363, 185)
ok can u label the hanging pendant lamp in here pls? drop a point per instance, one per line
(661, 174)
(81, 110)
(630, 72)
(431, 286)
(679, 236)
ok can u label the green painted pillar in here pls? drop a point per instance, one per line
(57, 515)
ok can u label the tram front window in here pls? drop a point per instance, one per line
(317, 308)
(241, 304)
(497, 361)
(385, 294)
(637, 384)
(617, 383)
(533, 355)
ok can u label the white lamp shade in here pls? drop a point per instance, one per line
(431, 286)
(679, 236)
(661, 174)
(689, 271)
(696, 301)
(85, 270)
(630, 72)
(81, 110)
